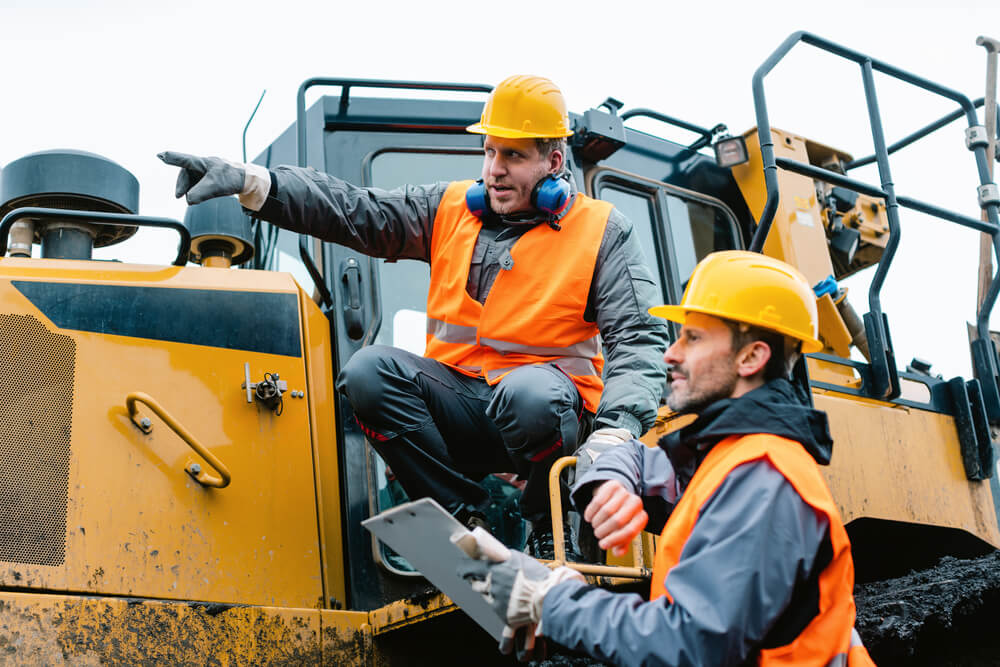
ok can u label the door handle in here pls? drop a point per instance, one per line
(354, 312)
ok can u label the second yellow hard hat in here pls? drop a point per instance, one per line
(523, 107)
(756, 289)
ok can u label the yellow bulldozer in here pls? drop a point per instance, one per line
(181, 482)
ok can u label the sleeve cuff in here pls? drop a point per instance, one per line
(584, 489)
(621, 419)
(554, 599)
(256, 186)
(272, 208)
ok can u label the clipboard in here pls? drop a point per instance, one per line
(425, 534)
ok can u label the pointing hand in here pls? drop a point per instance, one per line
(203, 178)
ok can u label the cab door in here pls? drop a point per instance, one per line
(381, 143)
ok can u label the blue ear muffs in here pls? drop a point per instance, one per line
(551, 195)
(476, 199)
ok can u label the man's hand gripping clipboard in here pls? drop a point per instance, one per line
(435, 543)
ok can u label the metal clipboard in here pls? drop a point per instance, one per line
(424, 534)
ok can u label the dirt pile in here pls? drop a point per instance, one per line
(945, 616)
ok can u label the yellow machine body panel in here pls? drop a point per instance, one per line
(119, 514)
(320, 390)
(902, 464)
(890, 462)
(797, 235)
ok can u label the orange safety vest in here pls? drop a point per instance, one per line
(829, 638)
(534, 311)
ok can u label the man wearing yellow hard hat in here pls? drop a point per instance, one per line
(528, 278)
(753, 564)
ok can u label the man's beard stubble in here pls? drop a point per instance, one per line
(716, 385)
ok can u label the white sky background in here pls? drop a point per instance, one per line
(129, 79)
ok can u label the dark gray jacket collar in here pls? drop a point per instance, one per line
(776, 408)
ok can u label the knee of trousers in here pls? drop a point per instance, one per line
(535, 406)
(366, 376)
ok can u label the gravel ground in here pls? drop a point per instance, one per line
(947, 616)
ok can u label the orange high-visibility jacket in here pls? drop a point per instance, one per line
(534, 311)
(829, 638)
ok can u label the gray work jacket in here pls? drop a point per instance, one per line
(754, 547)
(399, 223)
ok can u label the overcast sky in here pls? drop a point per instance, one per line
(129, 79)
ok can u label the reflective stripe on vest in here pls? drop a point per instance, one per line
(451, 333)
(855, 656)
(456, 333)
(534, 313)
(829, 634)
(587, 349)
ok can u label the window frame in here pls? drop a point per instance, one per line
(600, 177)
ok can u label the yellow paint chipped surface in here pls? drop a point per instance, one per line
(58, 630)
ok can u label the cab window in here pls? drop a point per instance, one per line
(676, 227)
(403, 284)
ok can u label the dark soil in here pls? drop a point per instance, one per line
(568, 660)
(945, 616)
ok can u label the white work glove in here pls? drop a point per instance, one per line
(203, 178)
(599, 442)
(516, 588)
(616, 515)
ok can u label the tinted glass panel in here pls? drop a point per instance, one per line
(638, 208)
(697, 230)
(676, 230)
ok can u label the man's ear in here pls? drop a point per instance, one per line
(556, 161)
(753, 358)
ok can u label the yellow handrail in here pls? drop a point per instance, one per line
(555, 500)
(145, 425)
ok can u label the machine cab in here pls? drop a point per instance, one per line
(681, 204)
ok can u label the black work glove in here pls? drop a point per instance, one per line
(203, 178)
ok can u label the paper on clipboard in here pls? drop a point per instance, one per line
(424, 534)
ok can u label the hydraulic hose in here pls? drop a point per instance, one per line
(854, 324)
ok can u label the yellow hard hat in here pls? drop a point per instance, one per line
(524, 107)
(756, 289)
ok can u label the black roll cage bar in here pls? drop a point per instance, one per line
(885, 380)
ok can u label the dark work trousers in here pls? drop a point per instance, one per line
(441, 431)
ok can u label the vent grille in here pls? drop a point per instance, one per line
(36, 418)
